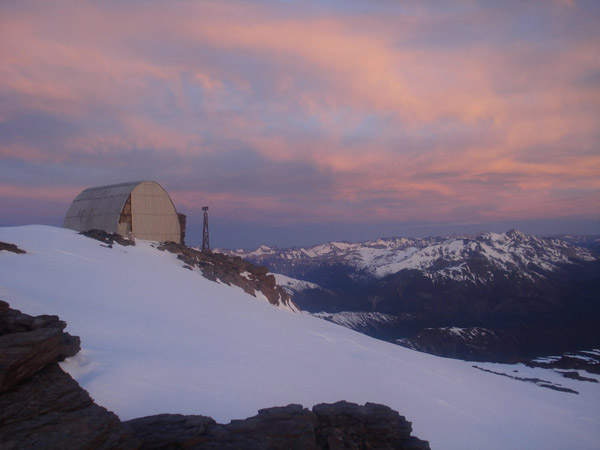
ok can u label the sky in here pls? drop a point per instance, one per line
(301, 122)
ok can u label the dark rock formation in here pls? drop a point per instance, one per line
(348, 425)
(49, 410)
(214, 266)
(108, 238)
(341, 425)
(583, 360)
(170, 430)
(538, 381)
(573, 375)
(40, 405)
(28, 344)
(11, 248)
(231, 270)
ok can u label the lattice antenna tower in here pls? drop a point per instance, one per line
(205, 240)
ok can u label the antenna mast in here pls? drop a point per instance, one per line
(205, 241)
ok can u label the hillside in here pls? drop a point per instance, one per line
(159, 338)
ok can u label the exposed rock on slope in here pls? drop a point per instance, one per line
(50, 410)
(28, 344)
(340, 425)
(11, 248)
(40, 405)
(216, 267)
(232, 270)
(108, 238)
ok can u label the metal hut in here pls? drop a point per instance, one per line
(139, 209)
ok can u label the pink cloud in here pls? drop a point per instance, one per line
(39, 193)
(196, 78)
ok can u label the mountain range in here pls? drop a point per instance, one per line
(490, 297)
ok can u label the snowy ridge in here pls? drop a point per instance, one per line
(474, 259)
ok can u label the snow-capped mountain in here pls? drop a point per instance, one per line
(535, 295)
(476, 259)
(160, 338)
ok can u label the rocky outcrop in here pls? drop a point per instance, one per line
(49, 410)
(583, 360)
(341, 425)
(347, 425)
(232, 270)
(40, 405)
(28, 344)
(108, 238)
(11, 248)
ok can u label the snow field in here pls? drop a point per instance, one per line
(158, 338)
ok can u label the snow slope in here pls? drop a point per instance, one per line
(161, 339)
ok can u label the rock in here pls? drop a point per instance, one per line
(11, 248)
(50, 410)
(372, 426)
(288, 427)
(28, 344)
(40, 405)
(588, 361)
(340, 425)
(232, 270)
(108, 238)
(573, 375)
(169, 430)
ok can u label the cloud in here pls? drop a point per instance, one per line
(280, 111)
